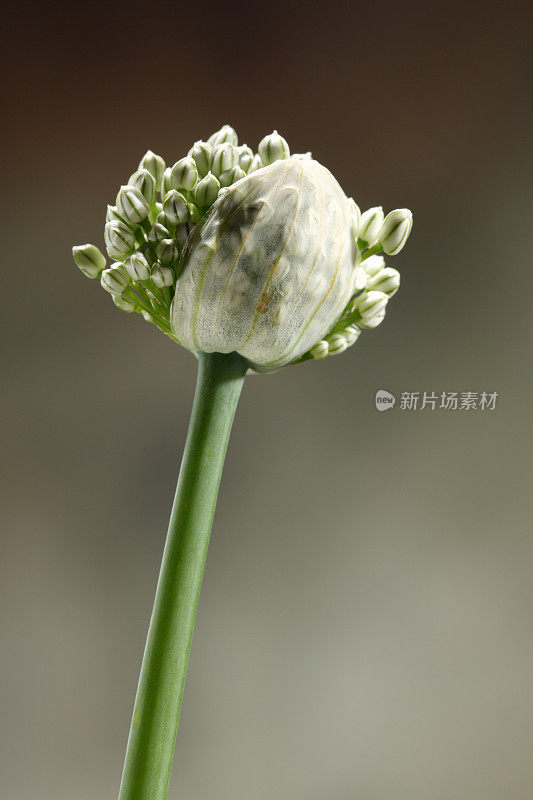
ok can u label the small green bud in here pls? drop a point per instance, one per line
(355, 216)
(144, 181)
(255, 164)
(167, 252)
(373, 264)
(163, 276)
(320, 350)
(155, 166)
(395, 230)
(132, 205)
(225, 134)
(202, 153)
(115, 279)
(225, 158)
(371, 307)
(370, 226)
(273, 148)
(184, 174)
(175, 207)
(89, 259)
(119, 239)
(387, 281)
(123, 303)
(137, 267)
(245, 156)
(206, 190)
(158, 232)
(231, 176)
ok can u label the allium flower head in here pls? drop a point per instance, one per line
(262, 254)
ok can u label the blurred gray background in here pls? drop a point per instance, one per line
(365, 626)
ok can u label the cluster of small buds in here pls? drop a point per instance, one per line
(155, 212)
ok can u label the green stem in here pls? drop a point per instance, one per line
(157, 705)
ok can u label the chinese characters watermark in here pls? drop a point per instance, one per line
(446, 401)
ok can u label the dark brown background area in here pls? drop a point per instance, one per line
(365, 624)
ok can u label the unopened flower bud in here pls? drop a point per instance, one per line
(155, 166)
(123, 303)
(202, 153)
(89, 259)
(206, 190)
(119, 239)
(158, 232)
(395, 230)
(225, 134)
(270, 271)
(225, 158)
(115, 279)
(165, 182)
(137, 267)
(245, 156)
(184, 174)
(175, 207)
(371, 307)
(356, 217)
(132, 205)
(320, 350)
(163, 276)
(386, 280)
(273, 148)
(255, 164)
(231, 176)
(167, 252)
(373, 264)
(144, 181)
(336, 343)
(370, 225)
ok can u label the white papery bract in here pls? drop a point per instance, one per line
(271, 269)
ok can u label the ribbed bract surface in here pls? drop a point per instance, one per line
(271, 269)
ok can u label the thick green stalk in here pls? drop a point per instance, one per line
(157, 705)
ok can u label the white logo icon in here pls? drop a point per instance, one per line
(384, 400)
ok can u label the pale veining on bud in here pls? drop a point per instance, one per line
(144, 181)
(395, 230)
(132, 205)
(89, 259)
(115, 279)
(370, 225)
(225, 134)
(175, 207)
(184, 174)
(206, 190)
(137, 267)
(119, 239)
(273, 148)
(202, 153)
(155, 166)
